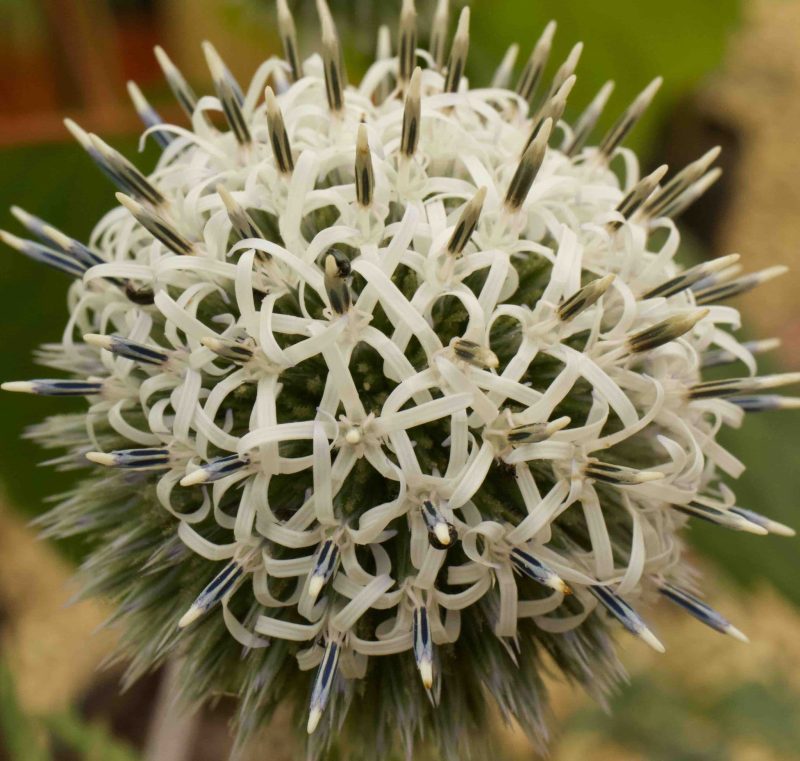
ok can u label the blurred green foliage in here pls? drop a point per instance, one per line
(665, 721)
(38, 738)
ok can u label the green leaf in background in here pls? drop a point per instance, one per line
(663, 721)
(89, 741)
(25, 738)
(20, 740)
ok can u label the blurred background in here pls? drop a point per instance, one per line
(732, 77)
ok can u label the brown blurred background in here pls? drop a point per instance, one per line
(732, 71)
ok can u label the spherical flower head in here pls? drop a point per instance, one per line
(395, 391)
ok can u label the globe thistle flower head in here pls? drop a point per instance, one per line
(396, 393)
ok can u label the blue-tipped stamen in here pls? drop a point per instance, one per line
(124, 347)
(627, 616)
(229, 94)
(325, 565)
(535, 569)
(242, 223)
(44, 254)
(766, 402)
(157, 226)
(148, 458)
(116, 167)
(423, 645)
(721, 389)
(177, 83)
(223, 583)
(216, 469)
(720, 517)
(55, 387)
(441, 533)
(702, 612)
(619, 475)
(149, 116)
(724, 357)
(322, 684)
(723, 290)
(240, 352)
(769, 525)
(536, 432)
(690, 277)
(74, 248)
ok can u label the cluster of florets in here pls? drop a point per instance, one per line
(393, 377)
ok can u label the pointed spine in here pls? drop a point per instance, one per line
(278, 136)
(638, 194)
(180, 88)
(566, 70)
(407, 41)
(441, 533)
(55, 387)
(720, 389)
(229, 97)
(467, 222)
(323, 682)
(587, 121)
(528, 565)
(337, 272)
(240, 352)
(691, 276)
(502, 75)
(536, 432)
(682, 181)
(438, 41)
(619, 475)
(529, 166)
(288, 35)
(325, 565)
(242, 223)
(222, 584)
(149, 458)
(159, 228)
(587, 296)
(700, 610)
(149, 116)
(412, 114)
(717, 292)
(615, 136)
(720, 517)
(116, 167)
(627, 616)
(458, 53)
(364, 174)
(552, 109)
(215, 469)
(44, 254)
(335, 78)
(383, 51)
(423, 645)
(474, 354)
(531, 74)
(124, 347)
(663, 332)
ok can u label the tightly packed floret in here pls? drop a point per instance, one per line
(393, 378)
